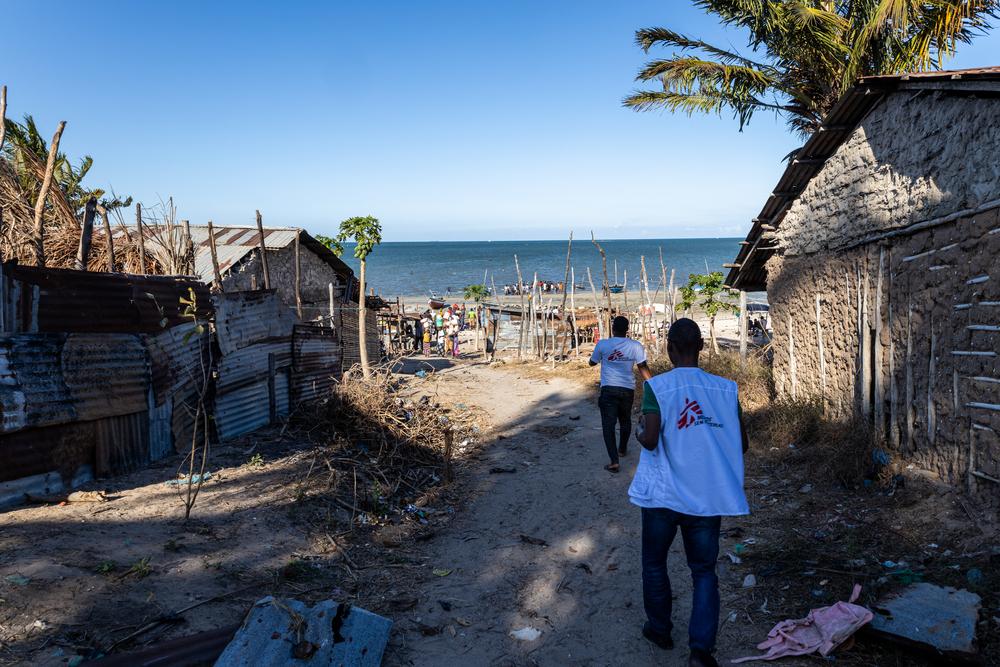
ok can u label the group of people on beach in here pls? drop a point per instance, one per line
(689, 474)
(546, 287)
(438, 329)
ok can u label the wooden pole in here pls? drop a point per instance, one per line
(50, 165)
(908, 386)
(83, 251)
(819, 343)
(486, 332)
(572, 305)
(3, 115)
(791, 360)
(520, 291)
(625, 290)
(215, 256)
(107, 234)
(597, 306)
(562, 308)
(879, 387)
(298, 280)
(142, 238)
(673, 298)
(604, 269)
(188, 245)
(743, 328)
(332, 308)
(263, 254)
(449, 440)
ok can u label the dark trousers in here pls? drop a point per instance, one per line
(615, 404)
(701, 546)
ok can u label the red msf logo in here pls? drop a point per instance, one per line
(690, 414)
(617, 355)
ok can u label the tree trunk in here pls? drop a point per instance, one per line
(362, 343)
(562, 308)
(711, 335)
(604, 269)
(3, 114)
(263, 255)
(107, 234)
(50, 165)
(83, 251)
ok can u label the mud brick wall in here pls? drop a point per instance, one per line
(910, 336)
(316, 277)
(920, 155)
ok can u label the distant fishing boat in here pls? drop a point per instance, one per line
(616, 289)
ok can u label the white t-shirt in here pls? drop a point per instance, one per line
(697, 466)
(617, 356)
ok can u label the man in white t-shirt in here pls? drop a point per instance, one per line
(617, 356)
(690, 475)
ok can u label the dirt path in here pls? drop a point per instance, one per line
(582, 590)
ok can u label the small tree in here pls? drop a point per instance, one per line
(366, 232)
(475, 293)
(709, 292)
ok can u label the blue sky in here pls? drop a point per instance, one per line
(447, 120)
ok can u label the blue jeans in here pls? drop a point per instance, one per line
(701, 546)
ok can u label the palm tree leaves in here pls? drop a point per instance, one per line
(806, 53)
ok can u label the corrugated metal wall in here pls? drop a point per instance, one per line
(316, 355)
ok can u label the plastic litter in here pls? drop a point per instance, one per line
(195, 478)
(822, 631)
(526, 634)
(749, 581)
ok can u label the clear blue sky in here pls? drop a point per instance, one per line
(447, 120)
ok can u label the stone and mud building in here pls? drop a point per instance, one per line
(879, 249)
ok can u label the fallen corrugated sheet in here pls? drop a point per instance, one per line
(36, 299)
(316, 361)
(49, 379)
(245, 318)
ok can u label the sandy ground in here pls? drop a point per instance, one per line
(582, 589)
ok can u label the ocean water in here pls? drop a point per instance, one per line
(419, 268)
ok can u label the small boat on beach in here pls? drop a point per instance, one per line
(616, 289)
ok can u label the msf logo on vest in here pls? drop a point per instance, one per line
(692, 415)
(617, 355)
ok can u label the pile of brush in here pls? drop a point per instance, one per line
(384, 452)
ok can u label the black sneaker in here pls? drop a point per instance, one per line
(663, 641)
(700, 658)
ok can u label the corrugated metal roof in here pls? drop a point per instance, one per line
(232, 244)
(750, 273)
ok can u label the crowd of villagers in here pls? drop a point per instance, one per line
(437, 330)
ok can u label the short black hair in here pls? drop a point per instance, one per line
(685, 334)
(619, 325)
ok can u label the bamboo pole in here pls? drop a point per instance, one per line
(107, 234)
(215, 256)
(535, 296)
(263, 253)
(298, 279)
(142, 238)
(50, 165)
(673, 298)
(83, 251)
(520, 292)
(565, 294)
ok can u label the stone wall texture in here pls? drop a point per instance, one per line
(903, 331)
(919, 155)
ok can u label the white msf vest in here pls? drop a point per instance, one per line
(697, 466)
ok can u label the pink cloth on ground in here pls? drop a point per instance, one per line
(822, 630)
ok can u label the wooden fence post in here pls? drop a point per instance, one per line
(83, 251)
(298, 278)
(50, 165)
(272, 398)
(142, 238)
(263, 253)
(107, 234)
(215, 256)
(449, 441)
(743, 328)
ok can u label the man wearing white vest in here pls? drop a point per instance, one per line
(690, 474)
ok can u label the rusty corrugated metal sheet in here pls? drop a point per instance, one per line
(177, 360)
(63, 448)
(242, 410)
(67, 301)
(121, 444)
(245, 318)
(52, 379)
(316, 362)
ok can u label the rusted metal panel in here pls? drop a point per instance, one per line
(67, 301)
(121, 444)
(316, 362)
(245, 318)
(242, 410)
(49, 379)
(178, 360)
(161, 437)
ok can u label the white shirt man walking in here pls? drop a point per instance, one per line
(617, 356)
(690, 475)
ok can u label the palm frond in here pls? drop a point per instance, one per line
(647, 38)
